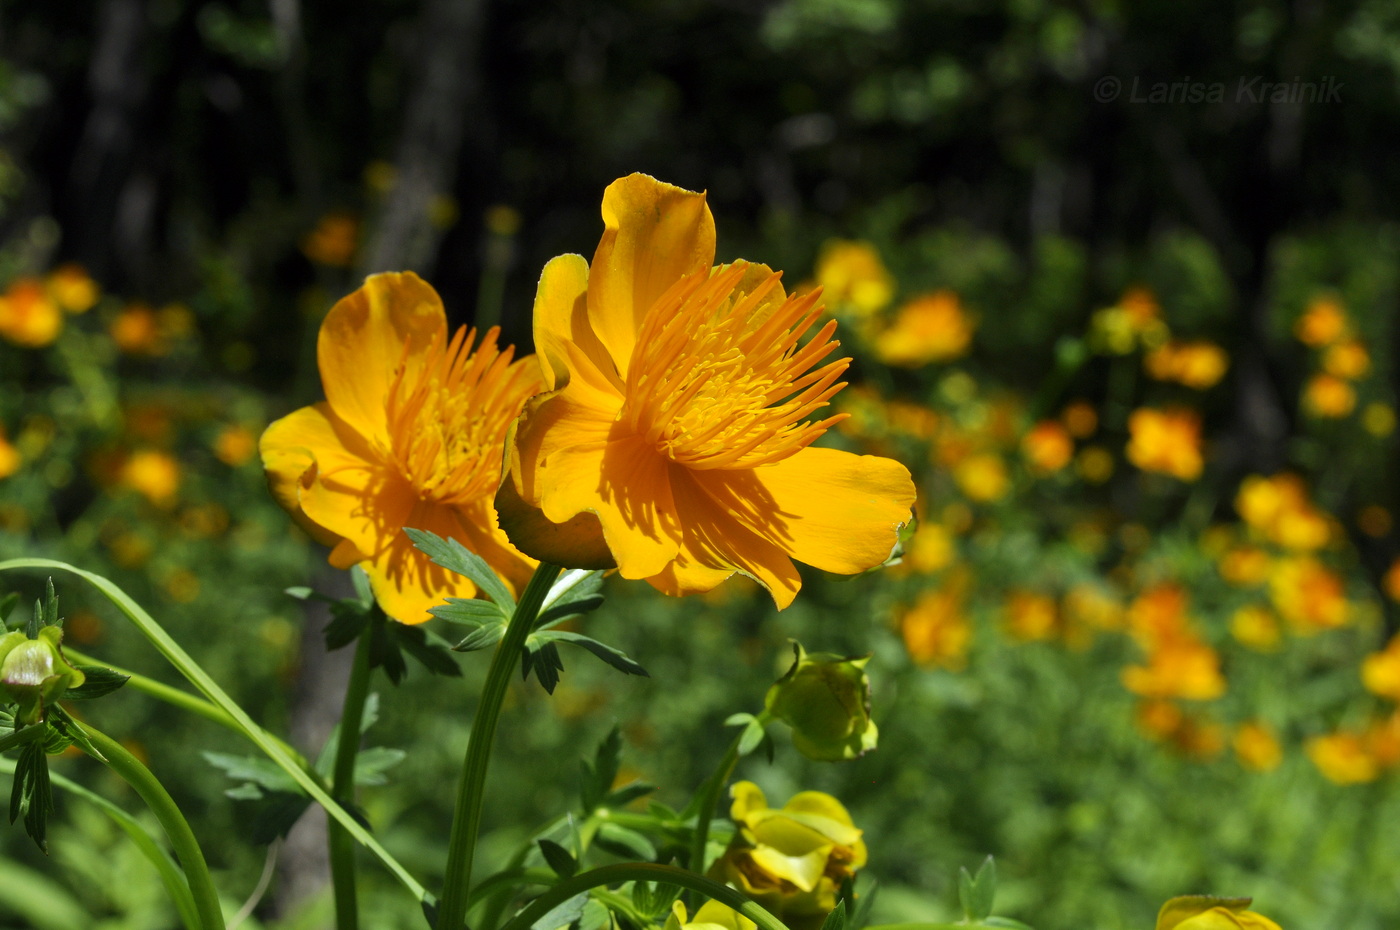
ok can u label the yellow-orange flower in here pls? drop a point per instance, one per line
(1197, 365)
(1204, 912)
(1256, 747)
(410, 435)
(930, 548)
(28, 315)
(1323, 323)
(72, 289)
(1279, 509)
(1343, 758)
(1167, 441)
(1181, 668)
(136, 331)
(982, 477)
(1245, 566)
(1048, 447)
(1348, 360)
(153, 474)
(1328, 397)
(674, 433)
(1080, 418)
(1380, 671)
(1030, 616)
(333, 241)
(930, 328)
(10, 458)
(235, 445)
(854, 278)
(1309, 595)
(1255, 626)
(935, 630)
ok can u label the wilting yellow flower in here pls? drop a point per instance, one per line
(931, 328)
(853, 278)
(674, 432)
(28, 315)
(10, 458)
(1348, 360)
(1328, 396)
(982, 477)
(72, 289)
(1380, 671)
(1204, 912)
(333, 241)
(711, 916)
(1342, 758)
(153, 474)
(1167, 441)
(1080, 418)
(410, 435)
(1323, 323)
(935, 630)
(1309, 595)
(1047, 446)
(1198, 365)
(1256, 747)
(1030, 616)
(792, 861)
(1255, 626)
(235, 445)
(1182, 668)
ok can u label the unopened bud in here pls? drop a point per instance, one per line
(825, 698)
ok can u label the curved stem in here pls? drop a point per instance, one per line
(466, 818)
(187, 851)
(709, 798)
(643, 872)
(347, 747)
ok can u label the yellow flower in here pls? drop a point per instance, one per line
(1328, 397)
(1342, 758)
(1181, 668)
(152, 474)
(930, 548)
(410, 435)
(28, 316)
(1089, 607)
(931, 328)
(1279, 509)
(1309, 595)
(792, 861)
(1245, 566)
(1323, 323)
(1380, 671)
(235, 445)
(1048, 447)
(1030, 616)
(854, 278)
(1256, 627)
(10, 458)
(1348, 360)
(1198, 365)
(674, 434)
(711, 916)
(72, 289)
(1256, 747)
(1205, 912)
(332, 242)
(982, 477)
(1166, 441)
(1158, 614)
(935, 630)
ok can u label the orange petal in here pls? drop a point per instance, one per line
(298, 447)
(654, 234)
(561, 316)
(363, 340)
(367, 506)
(830, 509)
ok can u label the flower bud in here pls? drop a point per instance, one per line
(826, 700)
(33, 672)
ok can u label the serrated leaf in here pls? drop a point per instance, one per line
(348, 621)
(470, 611)
(622, 841)
(384, 652)
(32, 795)
(558, 858)
(599, 776)
(614, 657)
(574, 584)
(457, 558)
(31, 629)
(753, 735)
(543, 659)
(277, 813)
(836, 920)
(99, 681)
(482, 637)
(262, 772)
(563, 914)
(654, 899)
(60, 721)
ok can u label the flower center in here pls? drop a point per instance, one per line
(448, 413)
(718, 378)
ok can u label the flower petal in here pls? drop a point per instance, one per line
(654, 234)
(561, 316)
(296, 448)
(364, 338)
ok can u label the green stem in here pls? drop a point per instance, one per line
(709, 799)
(643, 872)
(187, 851)
(466, 818)
(347, 747)
(21, 736)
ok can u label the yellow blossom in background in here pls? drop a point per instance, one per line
(1309, 595)
(1028, 615)
(931, 328)
(853, 278)
(914, 420)
(72, 289)
(29, 317)
(1158, 720)
(1080, 419)
(936, 630)
(1348, 360)
(1256, 747)
(1090, 607)
(1390, 583)
(1245, 566)
(235, 445)
(1166, 441)
(1199, 738)
(1182, 668)
(982, 477)
(1158, 614)
(1323, 323)
(1383, 740)
(1380, 671)
(791, 860)
(1256, 627)
(1280, 510)
(1135, 320)
(1378, 419)
(1205, 912)
(10, 457)
(1342, 758)
(333, 241)
(930, 549)
(1047, 447)
(137, 330)
(1198, 365)
(153, 474)
(1328, 397)
(410, 435)
(1094, 464)
(674, 429)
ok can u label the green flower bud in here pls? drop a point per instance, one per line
(825, 698)
(34, 673)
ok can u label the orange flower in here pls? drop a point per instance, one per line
(935, 629)
(28, 316)
(1256, 747)
(1196, 365)
(152, 474)
(1309, 595)
(1030, 616)
(1182, 668)
(1080, 418)
(333, 241)
(931, 328)
(1167, 441)
(1047, 447)
(1348, 360)
(675, 429)
(235, 445)
(1328, 397)
(1343, 758)
(1323, 323)
(410, 435)
(72, 289)
(1380, 671)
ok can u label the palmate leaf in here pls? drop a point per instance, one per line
(470, 611)
(457, 558)
(482, 637)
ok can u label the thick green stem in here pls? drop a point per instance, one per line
(187, 851)
(642, 872)
(466, 818)
(342, 844)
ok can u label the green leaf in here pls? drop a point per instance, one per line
(1006, 923)
(654, 899)
(865, 900)
(457, 558)
(245, 792)
(738, 720)
(372, 763)
(481, 637)
(543, 658)
(627, 794)
(621, 841)
(251, 768)
(348, 620)
(66, 725)
(753, 735)
(431, 650)
(469, 610)
(99, 682)
(598, 777)
(614, 657)
(577, 591)
(8, 603)
(595, 916)
(51, 617)
(978, 894)
(836, 920)
(32, 794)
(563, 914)
(558, 858)
(363, 591)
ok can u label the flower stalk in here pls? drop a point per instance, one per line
(342, 844)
